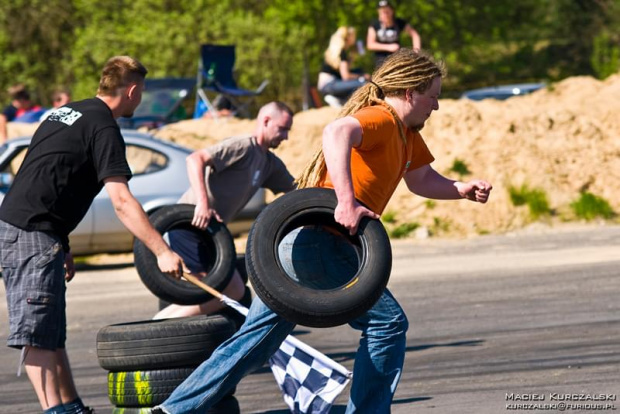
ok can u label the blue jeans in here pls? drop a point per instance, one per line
(378, 362)
(341, 88)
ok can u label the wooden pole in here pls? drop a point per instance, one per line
(193, 279)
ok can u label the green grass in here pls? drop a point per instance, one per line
(535, 199)
(403, 230)
(440, 225)
(459, 167)
(589, 206)
(388, 217)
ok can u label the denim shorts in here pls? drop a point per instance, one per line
(33, 271)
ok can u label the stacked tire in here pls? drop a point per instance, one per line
(147, 360)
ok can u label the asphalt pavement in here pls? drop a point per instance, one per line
(523, 322)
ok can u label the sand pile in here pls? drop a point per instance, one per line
(561, 140)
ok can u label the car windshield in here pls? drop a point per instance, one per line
(160, 102)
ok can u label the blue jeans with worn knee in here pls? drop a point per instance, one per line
(305, 254)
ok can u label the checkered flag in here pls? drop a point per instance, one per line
(309, 380)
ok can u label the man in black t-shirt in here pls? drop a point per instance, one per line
(384, 33)
(73, 154)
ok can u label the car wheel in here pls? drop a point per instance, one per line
(153, 344)
(221, 257)
(302, 304)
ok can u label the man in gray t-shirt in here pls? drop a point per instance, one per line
(222, 179)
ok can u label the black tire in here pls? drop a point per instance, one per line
(240, 266)
(300, 304)
(128, 410)
(220, 269)
(230, 313)
(145, 388)
(169, 343)
(163, 304)
(228, 405)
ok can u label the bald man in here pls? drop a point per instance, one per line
(223, 178)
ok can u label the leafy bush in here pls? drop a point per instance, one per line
(535, 199)
(403, 230)
(589, 206)
(388, 217)
(440, 225)
(459, 167)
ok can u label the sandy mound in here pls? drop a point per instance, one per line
(561, 140)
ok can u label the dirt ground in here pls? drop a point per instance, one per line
(561, 140)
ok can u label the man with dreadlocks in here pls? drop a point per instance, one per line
(365, 153)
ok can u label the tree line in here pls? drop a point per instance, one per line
(51, 43)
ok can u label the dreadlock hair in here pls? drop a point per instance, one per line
(402, 70)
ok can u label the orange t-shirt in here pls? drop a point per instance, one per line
(382, 158)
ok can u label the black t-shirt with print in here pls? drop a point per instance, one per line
(389, 34)
(71, 153)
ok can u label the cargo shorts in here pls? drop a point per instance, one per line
(33, 271)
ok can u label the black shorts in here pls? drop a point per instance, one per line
(192, 246)
(33, 271)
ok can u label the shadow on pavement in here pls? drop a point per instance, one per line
(346, 356)
(340, 357)
(102, 267)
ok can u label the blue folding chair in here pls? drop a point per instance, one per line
(216, 87)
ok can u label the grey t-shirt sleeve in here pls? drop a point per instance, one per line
(227, 153)
(280, 179)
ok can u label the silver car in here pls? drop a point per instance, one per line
(503, 92)
(160, 178)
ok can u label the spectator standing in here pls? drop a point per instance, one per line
(75, 152)
(384, 33)
(337, 79)
(244, 163)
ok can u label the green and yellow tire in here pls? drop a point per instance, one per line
(144, 388)
(228, 405)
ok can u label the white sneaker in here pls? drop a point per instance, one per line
(333, 101)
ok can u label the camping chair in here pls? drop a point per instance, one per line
(162, 103)
(215, 78)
